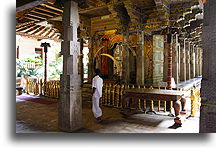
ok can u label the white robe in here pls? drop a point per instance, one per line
(97, 83)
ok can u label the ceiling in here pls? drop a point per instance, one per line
(32, 15)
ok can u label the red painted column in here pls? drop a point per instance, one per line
(169, 73)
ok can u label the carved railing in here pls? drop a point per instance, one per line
(113, 95)
(195, 101)
(50, 88)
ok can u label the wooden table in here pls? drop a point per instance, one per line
(154, 95)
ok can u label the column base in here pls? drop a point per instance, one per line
(70, 111)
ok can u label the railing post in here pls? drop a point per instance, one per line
(27, 86)
(41, 86)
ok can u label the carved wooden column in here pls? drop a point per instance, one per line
(125, 63)
(182, 60)
(192, 60)
(196, 51)
(91, 60)
(208, 112)
(70, 102)
(169, 72)
(175, 61)
(140, 60)
(81, 66)
(187, 50)
(200, 60)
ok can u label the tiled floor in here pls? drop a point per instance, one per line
(39, 118)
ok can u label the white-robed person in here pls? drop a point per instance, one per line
(97, 85)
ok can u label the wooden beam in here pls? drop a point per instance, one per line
(47, 10)
(52, 7)
(36, 16)
(37, 30)
(31, 4)
(29, 28)
(51, 36)
(41, 13)
(36, 37)
(43, 31)
(23, 27)
(46, 32)
(31, 18)
(24, 24)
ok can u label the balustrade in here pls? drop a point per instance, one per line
(50, 89)
(113, 95)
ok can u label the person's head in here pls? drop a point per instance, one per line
(97, 71)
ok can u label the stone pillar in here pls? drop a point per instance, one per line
(91, 60)
(70, 102)
(183, 61)
(208, 112)
(140, 60)
(175, 61)
(192, 60)
(81, 70)
(196, 51)
(158, 60)
(187, 50)
(201, 60)
(125, 63)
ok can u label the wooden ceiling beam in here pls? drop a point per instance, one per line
(37, 30)
(43, 31)
(23, 5)
(29, 28)
(48, 10)
(52, 35)
(46, 32)
(52, 7)
(41, 13)
(24, 24)
(36, 16)
(31, 18)
(36, 37)
(23, 27)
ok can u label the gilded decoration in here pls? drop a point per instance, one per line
(106, 46)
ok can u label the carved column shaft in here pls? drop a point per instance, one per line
(187, 50)
(81, 70)
(175, 62)
(140, 60)
(192, 60)
(125, 63)
(183, 61)
(207, 112)
(196, 61)
(70, 104)
(169, 72)
(91, 60)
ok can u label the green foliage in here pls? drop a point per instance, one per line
(22, 68)
(55, 68)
